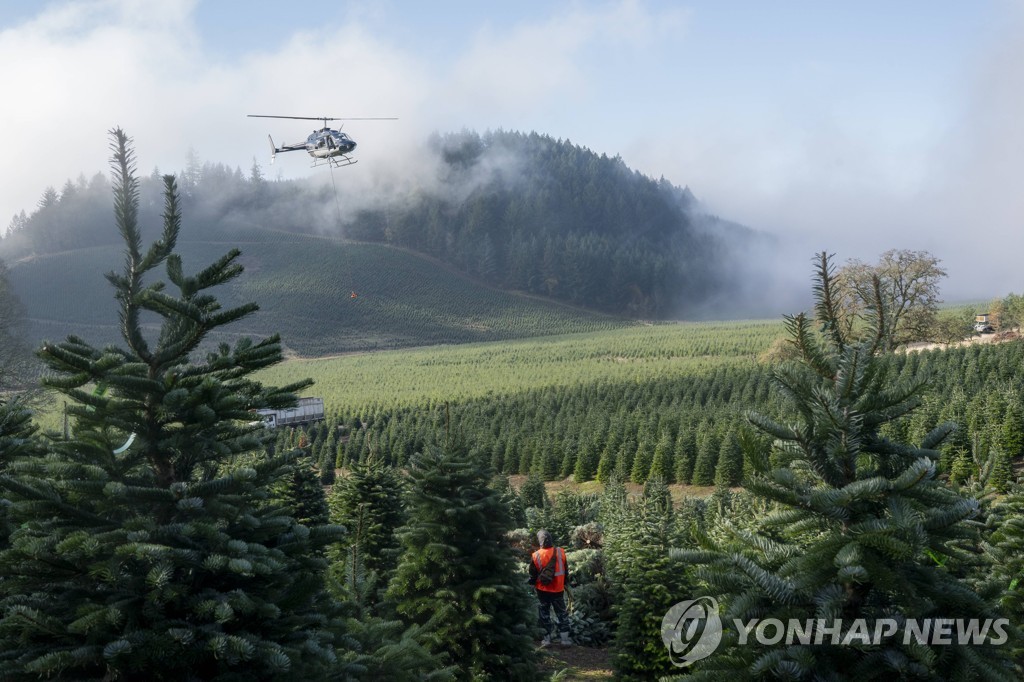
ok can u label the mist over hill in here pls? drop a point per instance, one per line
(520, 212)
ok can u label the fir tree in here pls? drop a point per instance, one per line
(457, 576)
(686, 454)
(511, 500)
(862, 526)
(368, 503)
(624, 458)
(662, 467)
(638, 538)
(533, 493)
(641, 462)
(382, 649)
(587, 459)
(1012, 435)
(1004, 546)
(16, 441)
(550, 459)
(999, 471)
(568, 459)
(303, 495)
(140, 550)
(325, 466)
(606, 466)
(707, 457)
(729, 470)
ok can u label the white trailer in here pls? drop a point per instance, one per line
(307, 411)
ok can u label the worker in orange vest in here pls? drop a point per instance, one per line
(548, 569)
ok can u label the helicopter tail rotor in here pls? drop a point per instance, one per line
(273, 149)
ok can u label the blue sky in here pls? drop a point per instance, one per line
(851, 126)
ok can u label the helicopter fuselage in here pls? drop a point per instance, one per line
(325, 143)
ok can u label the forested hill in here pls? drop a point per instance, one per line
(530, 213)
(522, 212)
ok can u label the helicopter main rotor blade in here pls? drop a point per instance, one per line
(301, 118)
(325, 118)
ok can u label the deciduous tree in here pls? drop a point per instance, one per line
(907, 293)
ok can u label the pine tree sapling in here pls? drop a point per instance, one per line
(148, 545)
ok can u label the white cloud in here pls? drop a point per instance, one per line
(84, 67)
(512, 72)
(799, 160)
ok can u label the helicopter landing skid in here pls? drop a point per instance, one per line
(334, 161)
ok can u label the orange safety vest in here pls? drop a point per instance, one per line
(541, 558)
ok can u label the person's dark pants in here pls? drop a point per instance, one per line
(547, 601)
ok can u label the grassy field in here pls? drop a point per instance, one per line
(452, 373)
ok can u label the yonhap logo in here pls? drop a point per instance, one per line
(691, 630)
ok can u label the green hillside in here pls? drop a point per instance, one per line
(518, 212)
(304, 287)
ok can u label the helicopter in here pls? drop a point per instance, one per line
(326, 146)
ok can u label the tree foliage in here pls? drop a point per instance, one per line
(907, 293)
(457, 577)
(645, 582)
(862, 527)
(15, 358)
(368, 502)
(147, 547)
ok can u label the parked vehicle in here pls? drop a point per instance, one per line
(307, 411)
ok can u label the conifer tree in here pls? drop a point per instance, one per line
(1004, 546)
(646, 583)
(1012, 432)
(533, 493)
(587, 459)
(999, 471)
(606, 466)
(662, 466)
(325, 466)
(729, 470)
(302, 494)
(862, 526)
(547, 464)
(457, 576)
(511, 500)
(16, 441)
(140, 551)
(568, 459)
(707, 456)
(368, 503)
(382, 649)
(641, 462)
(624, 458)
(686, 453)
